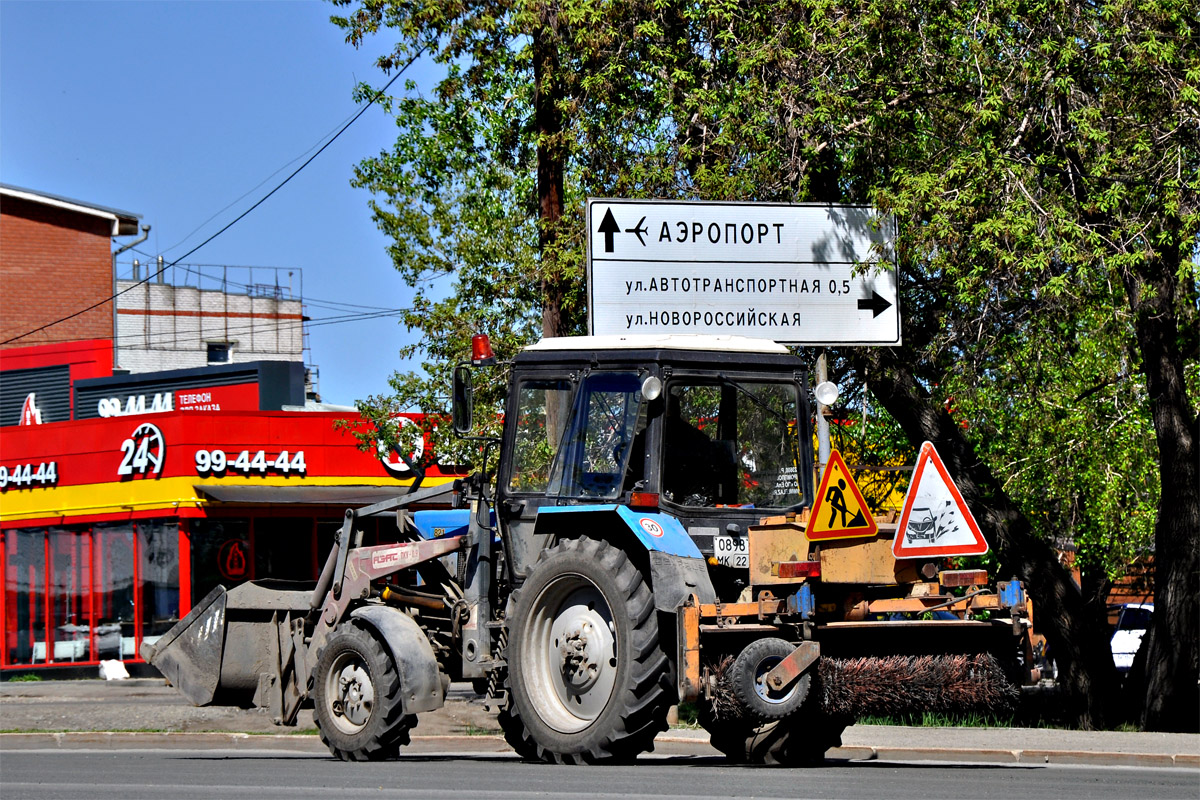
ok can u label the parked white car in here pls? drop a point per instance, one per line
(1132, 621)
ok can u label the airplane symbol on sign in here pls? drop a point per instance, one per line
(609, 226)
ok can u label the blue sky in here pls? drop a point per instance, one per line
(173, 110)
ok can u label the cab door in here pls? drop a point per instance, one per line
(538, 415)
(569, 444)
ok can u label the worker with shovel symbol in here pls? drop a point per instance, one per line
(837, 501)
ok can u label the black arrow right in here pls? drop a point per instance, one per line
(875, 303)
(609, 226)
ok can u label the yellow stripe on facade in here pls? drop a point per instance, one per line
(164, 493)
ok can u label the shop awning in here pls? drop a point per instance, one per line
(300, 495)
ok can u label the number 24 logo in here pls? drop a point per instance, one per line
(144, 451)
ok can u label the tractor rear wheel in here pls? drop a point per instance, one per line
(588, 678)
(356, 697)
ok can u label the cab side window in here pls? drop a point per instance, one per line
(605, 420)
(543, 408)
(731, 443)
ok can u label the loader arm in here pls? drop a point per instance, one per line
(248, 645)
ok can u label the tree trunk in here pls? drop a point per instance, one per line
(550, 168)
(1172, 700)
(1076, 628)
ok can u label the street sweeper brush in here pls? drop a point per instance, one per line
(850, 688)
(898, 685)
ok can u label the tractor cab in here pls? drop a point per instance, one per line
(713, 432)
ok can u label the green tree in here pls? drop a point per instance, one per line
(1041, 158)
(1044, 167)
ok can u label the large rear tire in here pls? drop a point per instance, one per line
(588, 678)
(357, 703)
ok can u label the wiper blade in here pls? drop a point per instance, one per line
(725, 379)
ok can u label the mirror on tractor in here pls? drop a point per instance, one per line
(461, 402)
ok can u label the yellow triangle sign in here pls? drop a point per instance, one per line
(840, 512)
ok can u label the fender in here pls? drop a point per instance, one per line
(677, 568)
(422, 684)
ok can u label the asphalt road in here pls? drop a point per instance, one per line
(182, 774)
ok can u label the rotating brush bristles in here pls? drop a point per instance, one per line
(898, 685)
(725, 705)
(892, 686)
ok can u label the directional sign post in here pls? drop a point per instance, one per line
(798, 274)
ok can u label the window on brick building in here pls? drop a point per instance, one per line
(220, 352)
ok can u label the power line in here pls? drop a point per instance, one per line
(256, 186)
(239, 217)
(251, 327)
(335, 305)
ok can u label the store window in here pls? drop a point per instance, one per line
(283, 548)
(24, 596)
(70, 595)
(221, 554)
(158, 555)
(113, 590)
(87, 593)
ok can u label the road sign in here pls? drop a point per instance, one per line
(839, 511)
(798, 274)
(935, 520)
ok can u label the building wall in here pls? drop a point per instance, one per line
(160, 326)
(53, 263)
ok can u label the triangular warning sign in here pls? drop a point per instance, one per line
(839, 511)
(935, 520)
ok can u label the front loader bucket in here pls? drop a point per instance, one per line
(219, 653)
(189, 655)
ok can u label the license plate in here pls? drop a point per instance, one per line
(732, 551)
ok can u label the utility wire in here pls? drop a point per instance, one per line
(263, 326)
(257, 186)
(194, 269)
(236, 219)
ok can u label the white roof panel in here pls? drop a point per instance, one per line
(676, 341)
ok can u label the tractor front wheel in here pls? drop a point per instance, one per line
(357, 705)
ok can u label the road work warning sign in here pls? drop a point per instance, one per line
(839, 511)
(935, 520)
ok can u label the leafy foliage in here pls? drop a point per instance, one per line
(1042, 158)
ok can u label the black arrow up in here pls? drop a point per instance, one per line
(609, 226)
(876, 303)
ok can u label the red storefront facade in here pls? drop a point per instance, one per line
(111, 526)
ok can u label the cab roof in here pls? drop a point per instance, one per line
(674, 341)
(697, 350)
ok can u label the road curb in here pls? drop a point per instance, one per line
(66, 740)
(489, 743)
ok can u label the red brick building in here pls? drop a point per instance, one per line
(126, 494)
(55, 259)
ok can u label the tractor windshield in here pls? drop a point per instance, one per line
(731, 443)
(607, 414)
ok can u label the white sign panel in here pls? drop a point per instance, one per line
(798, 274)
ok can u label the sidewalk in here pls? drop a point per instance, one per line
(148, 713)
